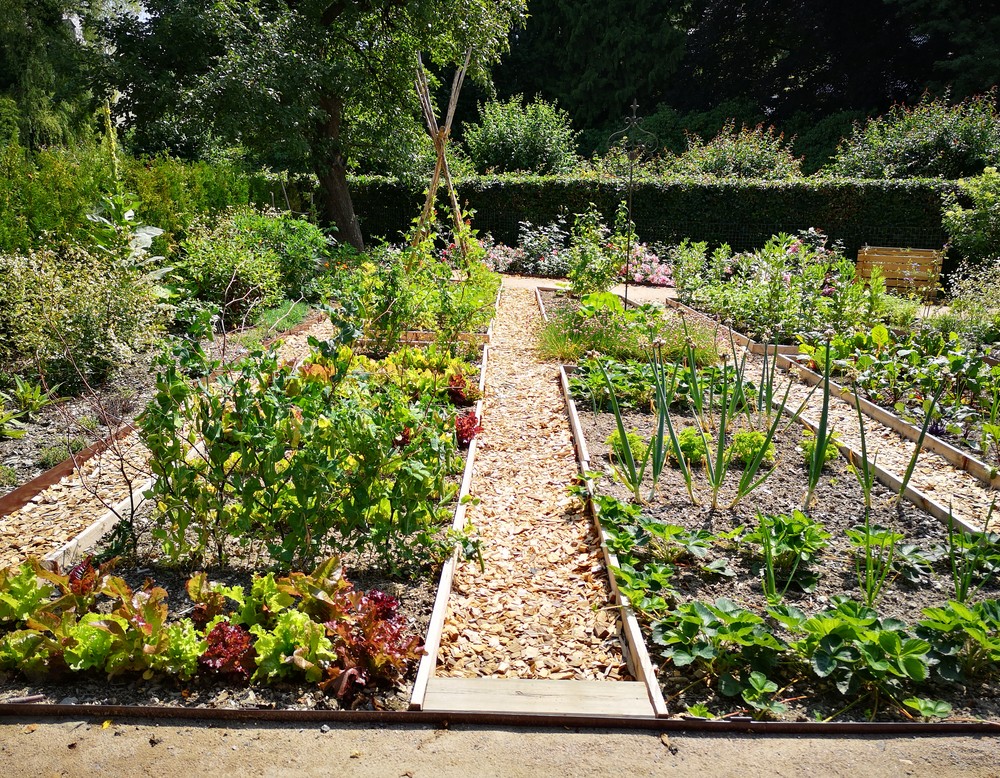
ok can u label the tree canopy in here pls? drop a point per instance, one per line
(307, 80)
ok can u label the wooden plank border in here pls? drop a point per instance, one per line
(990, 476)
(435, 629)
(72, 552)
(637, 656)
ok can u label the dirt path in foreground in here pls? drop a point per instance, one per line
(87, 748)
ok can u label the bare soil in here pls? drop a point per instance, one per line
(85, 746)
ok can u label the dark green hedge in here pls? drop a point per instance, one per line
(739, 212)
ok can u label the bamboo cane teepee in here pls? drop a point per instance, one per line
(439, 134)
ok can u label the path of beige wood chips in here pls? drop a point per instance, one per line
(542, 606)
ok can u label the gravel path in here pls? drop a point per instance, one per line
(542, 607)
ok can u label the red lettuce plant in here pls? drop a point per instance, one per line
(467, 426)
(230, 651)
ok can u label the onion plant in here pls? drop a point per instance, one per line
(929, 408)
(973, 557)
(632, 469)
(876, 546)
(823, 433)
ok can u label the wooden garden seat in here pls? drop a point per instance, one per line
(912, 271)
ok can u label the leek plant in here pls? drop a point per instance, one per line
(823, 435)
(876, 545)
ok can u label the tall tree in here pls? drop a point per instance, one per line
(319, 80)
(41, 59)
(595, 56)
(799, 55)
(960, 39)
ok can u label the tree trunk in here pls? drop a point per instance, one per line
(338, 208)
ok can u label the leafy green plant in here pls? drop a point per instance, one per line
(633, 440)
(8, 476)
(592, 268)
(51, 456)
(965, 638)
(747, 446)
(758, 693)
(929, 709)
(297, 460)
(31, 397)
(10, 426)
(973, 558)
(789, 545)
(692, 445)
(718, 638)
(850, 647)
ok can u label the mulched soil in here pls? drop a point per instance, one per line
(838, 506)
(91, 417)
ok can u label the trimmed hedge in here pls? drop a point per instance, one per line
(743, 213)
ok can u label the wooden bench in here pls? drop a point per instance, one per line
(911, 271)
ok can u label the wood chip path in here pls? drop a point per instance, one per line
(542, 607)
(64, 510)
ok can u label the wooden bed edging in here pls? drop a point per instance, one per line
(26, 492)
(72, 552)
(435, 629)
(637, 655)
(974, 467)
(731, 726)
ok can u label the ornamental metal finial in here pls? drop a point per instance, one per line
(637, 143)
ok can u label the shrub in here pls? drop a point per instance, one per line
(300, 247)
(933, 139)
(544, 248)
(512, 136)
(747, 153)
(224, 262)
(974, 310)
(592, 266)
(974, 228)
(72, 314)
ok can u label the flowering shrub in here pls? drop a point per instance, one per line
(504, 259)
(646, 267)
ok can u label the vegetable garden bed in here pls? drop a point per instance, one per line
(709, 561)
(308, 628)
(731, 639)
